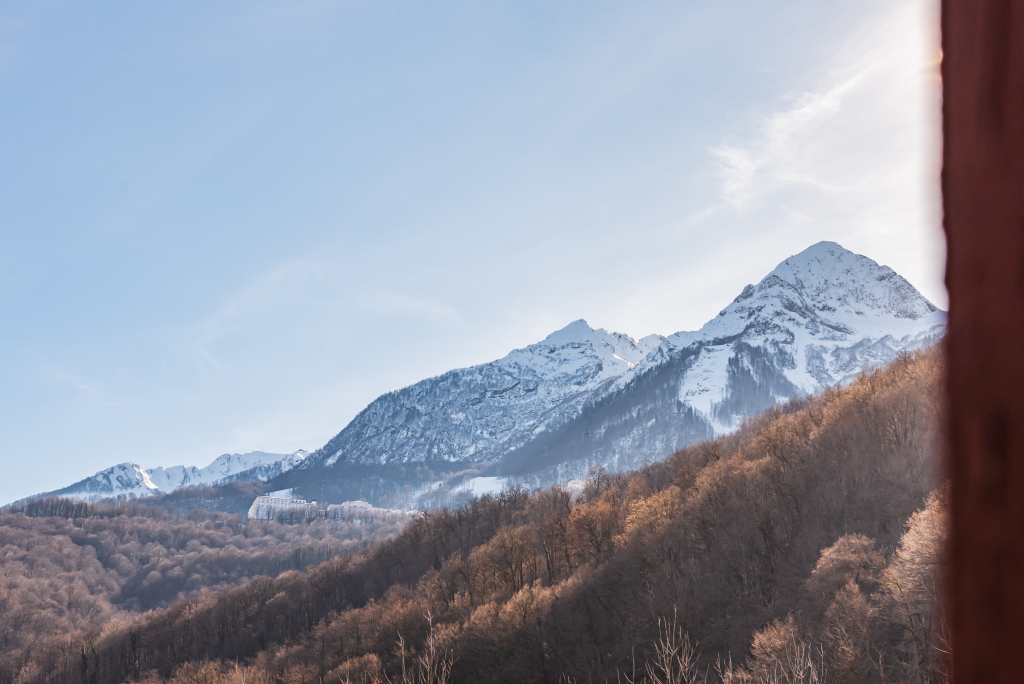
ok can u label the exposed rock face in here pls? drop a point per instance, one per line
(483, 412)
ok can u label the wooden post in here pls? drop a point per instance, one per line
(983, 199)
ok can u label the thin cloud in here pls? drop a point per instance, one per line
(773, 161)
(834, 137)
(313, 282)
(383, 301)
(88, 391)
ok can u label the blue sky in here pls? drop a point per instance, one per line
(229, 226)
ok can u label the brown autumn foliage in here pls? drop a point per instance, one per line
(804, 547)
(68, 566)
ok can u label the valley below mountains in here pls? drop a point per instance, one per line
(584, 398)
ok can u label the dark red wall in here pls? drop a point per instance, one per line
(983, 198)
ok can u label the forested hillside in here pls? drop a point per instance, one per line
(802, 547)
(69, 566)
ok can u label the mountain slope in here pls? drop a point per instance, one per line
(819, 318)
(481, 413)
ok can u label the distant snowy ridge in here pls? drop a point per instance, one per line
(258, 465)
(124, 478)
(131, 479)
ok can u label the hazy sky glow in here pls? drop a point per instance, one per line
(229, 226)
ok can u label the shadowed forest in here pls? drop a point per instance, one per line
(805, 547)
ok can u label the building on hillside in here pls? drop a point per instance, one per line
(350, 508)
(269, 507)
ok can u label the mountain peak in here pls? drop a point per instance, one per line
(614, 347)
(821, 262)
(821, 249)
(834, 280)
(576, 332)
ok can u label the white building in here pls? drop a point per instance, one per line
(269, 507)
(362, 509)
(351, 508)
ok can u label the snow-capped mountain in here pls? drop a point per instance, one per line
(131, 479)
(581, 397)
(818, 319)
